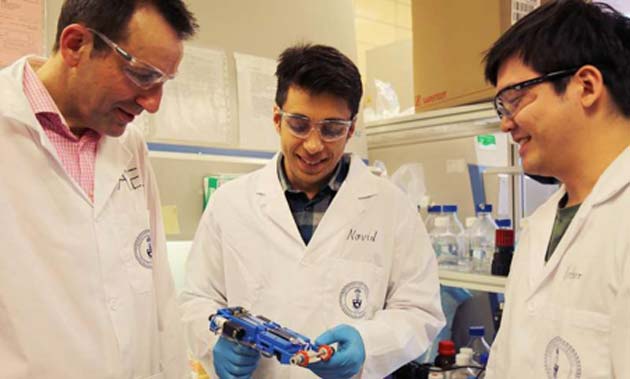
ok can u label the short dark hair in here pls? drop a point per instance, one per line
(111, 17)
(566, 34)
(319, 69)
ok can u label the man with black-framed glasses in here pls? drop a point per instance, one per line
(562, 75)
(85, 287)
(315, 242)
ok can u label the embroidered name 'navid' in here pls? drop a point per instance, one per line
(353, 235)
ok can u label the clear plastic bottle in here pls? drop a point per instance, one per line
(481, 239)
(433, 211)
(455, 227)
(478, 343)
(445, 243)
(465, 258)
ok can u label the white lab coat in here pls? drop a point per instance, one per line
(571, 317)
(248, 252)
(75, 300)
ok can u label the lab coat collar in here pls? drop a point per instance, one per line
(15, 105)
(346, 208)
(347, 205)
(614, 179)
(112, 159)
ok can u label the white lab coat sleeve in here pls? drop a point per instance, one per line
(204, 290)
(172, 344)
(412, 315)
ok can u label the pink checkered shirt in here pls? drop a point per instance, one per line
(77, 154)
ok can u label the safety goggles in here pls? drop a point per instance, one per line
(142, 74)
(507, 100)
(329, 130)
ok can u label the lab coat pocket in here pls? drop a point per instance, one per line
(578, 343)
(357, 289)
(136, 249)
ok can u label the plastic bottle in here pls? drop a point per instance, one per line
(482, 239)
(477, 343)
(433, 211)
(503, 252)
(445, 243)
(446, 354)
(465, 258)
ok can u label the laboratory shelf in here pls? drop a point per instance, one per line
(436, 125)
(478, 282)
(212, 154)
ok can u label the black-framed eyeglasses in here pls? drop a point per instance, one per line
(142, 74)
(330, 130)
(507, 100)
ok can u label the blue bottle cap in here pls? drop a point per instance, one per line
(449, 208)
(434, 209)
(477, 331)
(485, 208)
(504, 223)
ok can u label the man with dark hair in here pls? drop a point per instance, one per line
(563, 92)
(85, 287)
(315, 242)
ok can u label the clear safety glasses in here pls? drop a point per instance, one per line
(142, 74)
(329, 130)
(507, 100)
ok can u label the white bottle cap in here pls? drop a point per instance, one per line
(462, 359)
(466, 350)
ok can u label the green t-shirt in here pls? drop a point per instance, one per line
(560, 225)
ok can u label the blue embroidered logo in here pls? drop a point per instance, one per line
(143, 250)
(561, 360)
(353, 299)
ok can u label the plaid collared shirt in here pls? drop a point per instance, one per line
(307, 213)
(77, 154)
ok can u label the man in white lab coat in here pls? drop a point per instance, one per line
(562, 75)
(314, 241)
(85, 287)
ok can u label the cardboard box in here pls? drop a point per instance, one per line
(450, 38)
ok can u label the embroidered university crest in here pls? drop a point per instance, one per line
(561, 360)
(143, 250)
(353, 299)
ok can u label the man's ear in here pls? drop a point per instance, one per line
(591, 83)
(277, 118)
(75, 40)
(351, 130)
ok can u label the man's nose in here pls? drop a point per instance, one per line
(150, 99)
(313, 143)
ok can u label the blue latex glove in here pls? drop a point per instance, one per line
(348, 358)
(234, 361)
